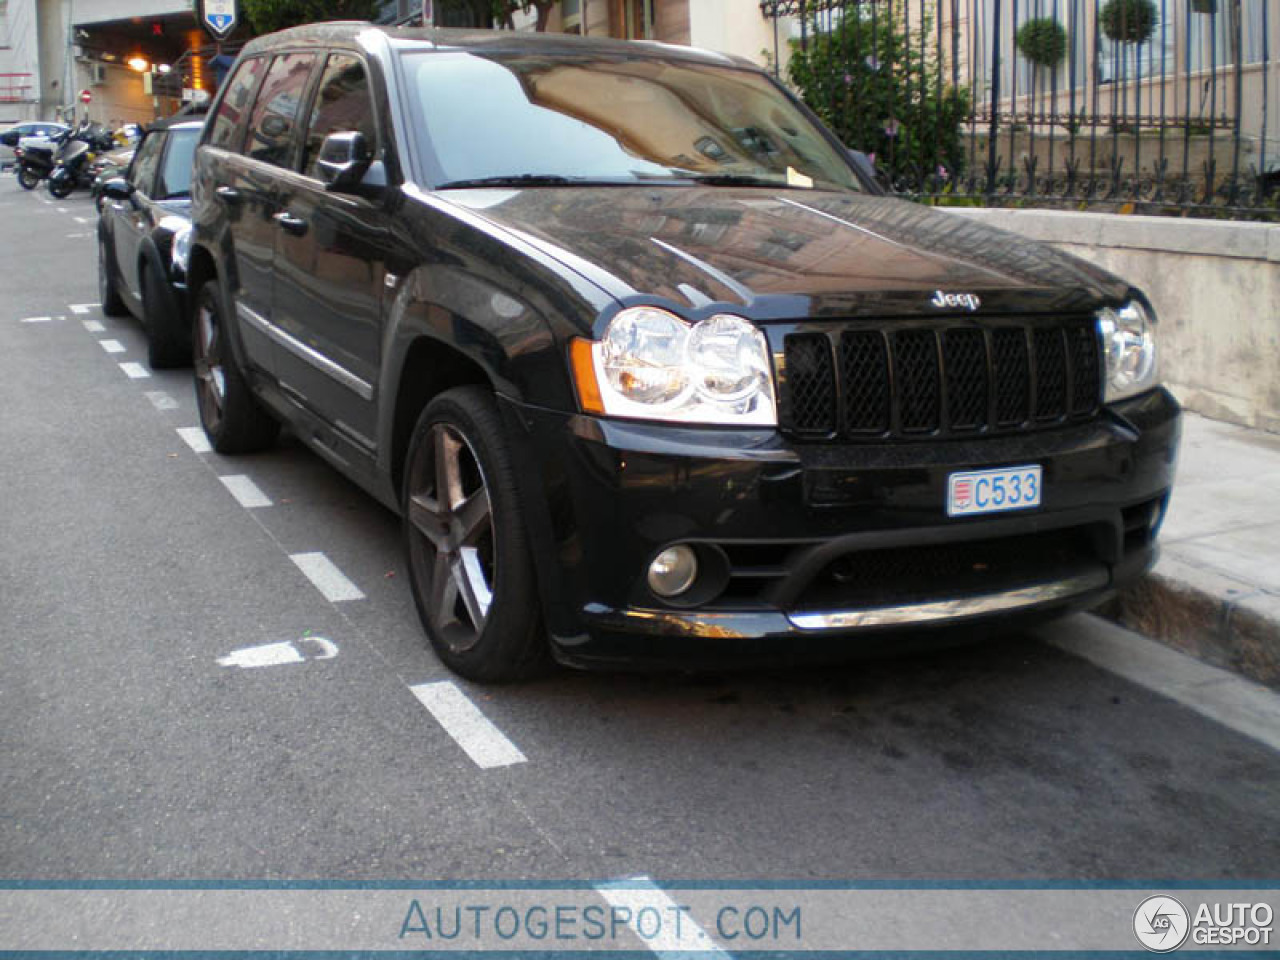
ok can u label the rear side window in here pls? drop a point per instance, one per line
(342, 104)
(175, 173)
(275, 113)
(143, 172)
(236, 103)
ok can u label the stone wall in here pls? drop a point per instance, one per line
(1216, 290)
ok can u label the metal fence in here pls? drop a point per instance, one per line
(1153, 106)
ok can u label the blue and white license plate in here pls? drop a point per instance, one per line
(993, 491)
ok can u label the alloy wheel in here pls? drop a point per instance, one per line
(211, 381)
(452, 520)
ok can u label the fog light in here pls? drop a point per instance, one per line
(672, 572)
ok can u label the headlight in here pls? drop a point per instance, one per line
(181, 252)
(1129, 340)
(653, 365)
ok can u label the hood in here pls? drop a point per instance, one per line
(788, 253)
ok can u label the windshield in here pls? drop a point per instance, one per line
(175, 177)
(510, 117)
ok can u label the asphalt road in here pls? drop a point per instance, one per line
(129, 569)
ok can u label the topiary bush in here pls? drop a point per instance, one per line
(1042, 41)
(880, 93)
(1129, 21)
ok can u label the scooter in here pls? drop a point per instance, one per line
(74, 167)
(36, 157)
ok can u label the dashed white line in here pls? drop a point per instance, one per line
(93, 326)
(36, 319)
(111, 346)
(135, 371)
(193, 437)
(63, 210)
(483, 742)
(83, 308)
(80, 219)
(244, 490)
(650, 912)
(162, 401)
(326, 577)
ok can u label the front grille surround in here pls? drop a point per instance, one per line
(885, 381)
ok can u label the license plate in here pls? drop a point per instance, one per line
(993, 491)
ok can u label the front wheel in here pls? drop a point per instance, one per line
(469, 563)
(168, 340)
(229, 413)
(108, 292)
(61, 187)
(28, 179)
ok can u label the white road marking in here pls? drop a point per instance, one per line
(277, 654)
(82, 308)
(483, 742)
(243, 489)
(193, 437)
(135, 371)
(78, 236)
(63, 210)
(1245, 707)
(93, 326)
(652, 916)
(80, 219)
(266, 655)
(111, 346)
(326, 577)
(162, 401)
(36, 319)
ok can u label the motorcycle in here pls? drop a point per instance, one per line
(36, 158)
(74, 167)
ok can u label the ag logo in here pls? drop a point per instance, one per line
(1161, 924)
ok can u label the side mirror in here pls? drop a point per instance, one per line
(866, 170)
(344, 159)
(117, 188)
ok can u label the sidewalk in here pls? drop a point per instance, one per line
(1216, 591)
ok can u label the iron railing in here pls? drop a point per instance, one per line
(1151, 106)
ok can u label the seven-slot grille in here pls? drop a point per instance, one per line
(878, 382)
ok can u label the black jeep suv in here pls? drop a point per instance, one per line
(649, 366)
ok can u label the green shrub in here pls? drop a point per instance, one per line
(1129, 21)
(873, 86)
(1042, 41)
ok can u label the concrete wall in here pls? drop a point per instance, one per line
(19, 53)
(1216, 290)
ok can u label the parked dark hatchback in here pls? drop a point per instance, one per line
(651, 371)
(144, 238)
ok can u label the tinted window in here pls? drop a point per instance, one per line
(342, 103)
(276, 111)
(236, 103)
(175, 173)
(142, 174)
(612, 119)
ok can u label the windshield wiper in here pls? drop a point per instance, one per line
(736, 179)
(510, 180)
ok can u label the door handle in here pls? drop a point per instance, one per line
(291, 224)
(228, 195)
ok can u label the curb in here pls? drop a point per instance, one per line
(1211, 616)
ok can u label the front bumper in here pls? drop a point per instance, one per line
(814, 541)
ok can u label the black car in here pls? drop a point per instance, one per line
(144, 239)
(651, 370)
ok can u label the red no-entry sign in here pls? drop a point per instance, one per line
(85, 96)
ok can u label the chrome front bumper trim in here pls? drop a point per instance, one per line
(958, 609)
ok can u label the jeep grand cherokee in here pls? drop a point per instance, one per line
(650, 367)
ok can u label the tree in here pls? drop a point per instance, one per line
(267, 16)
(881, 93)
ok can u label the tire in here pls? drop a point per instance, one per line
(28, 179)
(473, 544)
(108, 292)
(168, 337)
(229, 413)
(61, 187)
